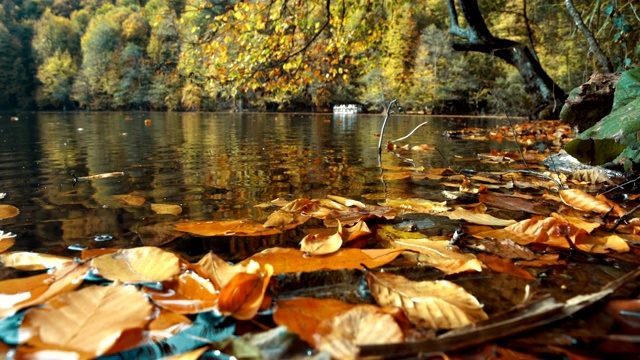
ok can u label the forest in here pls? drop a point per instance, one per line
(196, 55)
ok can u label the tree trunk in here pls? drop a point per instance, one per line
(594, 47)
(477, 37)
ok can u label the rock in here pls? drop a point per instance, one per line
(590, 102)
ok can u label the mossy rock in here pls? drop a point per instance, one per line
(590, 102)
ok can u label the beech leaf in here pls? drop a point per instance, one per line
(166, 209)
(438, 304)
(226, 228)
(89, 320)
(243, 295)
(32, 261)
(580, 200)
(8, 211)
(439, 254)
(130, 200)
(318, 244)
(475, 218)
(416, 205)
(138, 265)
(189, 293)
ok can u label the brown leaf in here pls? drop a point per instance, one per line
(218, 270)
(416, 205)
(511, 202)
(243, 295)
(286, 260)
(6, 241)
(226, 228)
(130, 200)
(318, 244)
(346, 202)
(157, 234)
(504, 248)
(138, 265)
(8, 211)
(364, 324)
(21, 293)
(89, 320)
(580, 200)
(303, 315)
(187, 294)
(32, 261)
(166, 209)
(507, 266)
(438, 304)
(439, 254)
(358, 230)
(475, 218)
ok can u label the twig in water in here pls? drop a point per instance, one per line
(384, 124)
(409, 134)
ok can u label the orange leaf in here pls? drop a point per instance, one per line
(580, 200)
(130, 200)
(168, 209)
(188, 294)
(138, 265)
(243, 295)
(318, 244)
(286, 260)
(8, 211)
(6, 241)
(226, 228)
(498, 264)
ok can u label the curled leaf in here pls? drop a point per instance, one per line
(318, 244)
(243, 295)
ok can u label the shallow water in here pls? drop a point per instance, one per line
(216, 166)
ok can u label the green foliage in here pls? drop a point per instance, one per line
(56, 75)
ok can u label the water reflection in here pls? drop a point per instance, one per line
(216, 166)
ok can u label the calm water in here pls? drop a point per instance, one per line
(216, 166)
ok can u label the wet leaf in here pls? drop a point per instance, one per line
(17, 294)
(8, 211)
(319, 244)
(286, 260)
(504, 248)
(6, 241)
(218, 270)
(285, 220)
(364, 324)
(438, 304)
(358, 230)
(303, 315)
(507, 266)
(600, 244)
(157, 234)
(243, 295)
(416, 205)
(138, 265)
(130, 200)
(187, 294)
(439, 254)
(511, 202)
(580, 200)
(346, 202)
(89, 320)
(475, 218)
(226, 228)
(166, 209)
(32, 261)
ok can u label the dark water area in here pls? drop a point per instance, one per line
(215, 166)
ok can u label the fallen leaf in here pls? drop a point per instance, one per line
(504, 248)
(511, 202)
(303, 315)
(130, 200)
(438, 304)
(89, 320)
(287, 260)
(475, 218)
(32, 261)
(157, 234)
(17, 294)
(358, 230)
(600, 244)
(439, 254)
(498, 264)
(364, 324)
(318, 244)
(187, 294)
(6, 241)
(138, 265)
(580, 200)
(226, 228)
(243, 295)
(282, 219)
(166, 209)
(8, 211)
(415, 205)
(346, 202)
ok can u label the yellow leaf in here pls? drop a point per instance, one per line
(416, 205)
(8, 211)
(475, 218)
(32, 261)
(166, 209)
(218, 270)
(138, 265)
(580, 200)
(89, 320)
(6, 241)
(187, 294)
(438, 304)
(439, 254)
(243, 295)
(317, 244)
(226, 228)
(346, 202)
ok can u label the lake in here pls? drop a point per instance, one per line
(215, 166)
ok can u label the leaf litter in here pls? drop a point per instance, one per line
(493, 259)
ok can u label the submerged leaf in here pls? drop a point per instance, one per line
(89, 320)
(138, 265)
(166, 209)
(130, 200)
(438, 304)
(226, 228)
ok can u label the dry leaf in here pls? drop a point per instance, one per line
(138, 265)
(187, 294)
(130, 200)
(286, 260)
(17, 294)
(358, 230)
(600, 244)
(243, 295)
(498, 264)
(346, 202)
(580, 200)
(318, 244)
(166, 209)
(218, 270)
(439, 254)
(32, 261)
(226, 228)
(416, 205)
(438, 304)
(8, 211)
(364, 324)
(303, 315)
(475, 218)
(89, 320)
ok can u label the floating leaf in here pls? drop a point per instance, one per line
(438, 304)
(318, 244)
(32, 261)
(130, 200)
(166, 209)
(8, 211)
(358, 230)
(286, 260)
(138, 265)
(346, 202)
(439, 254)
(502, 265)
(243, 295)
(187, 294)
(6, 241)
(218, 270)
(17, 294)
(303, 315)
(89, 320)
(475, 218)
(364, 324)
(226, 228)
(416, 205)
